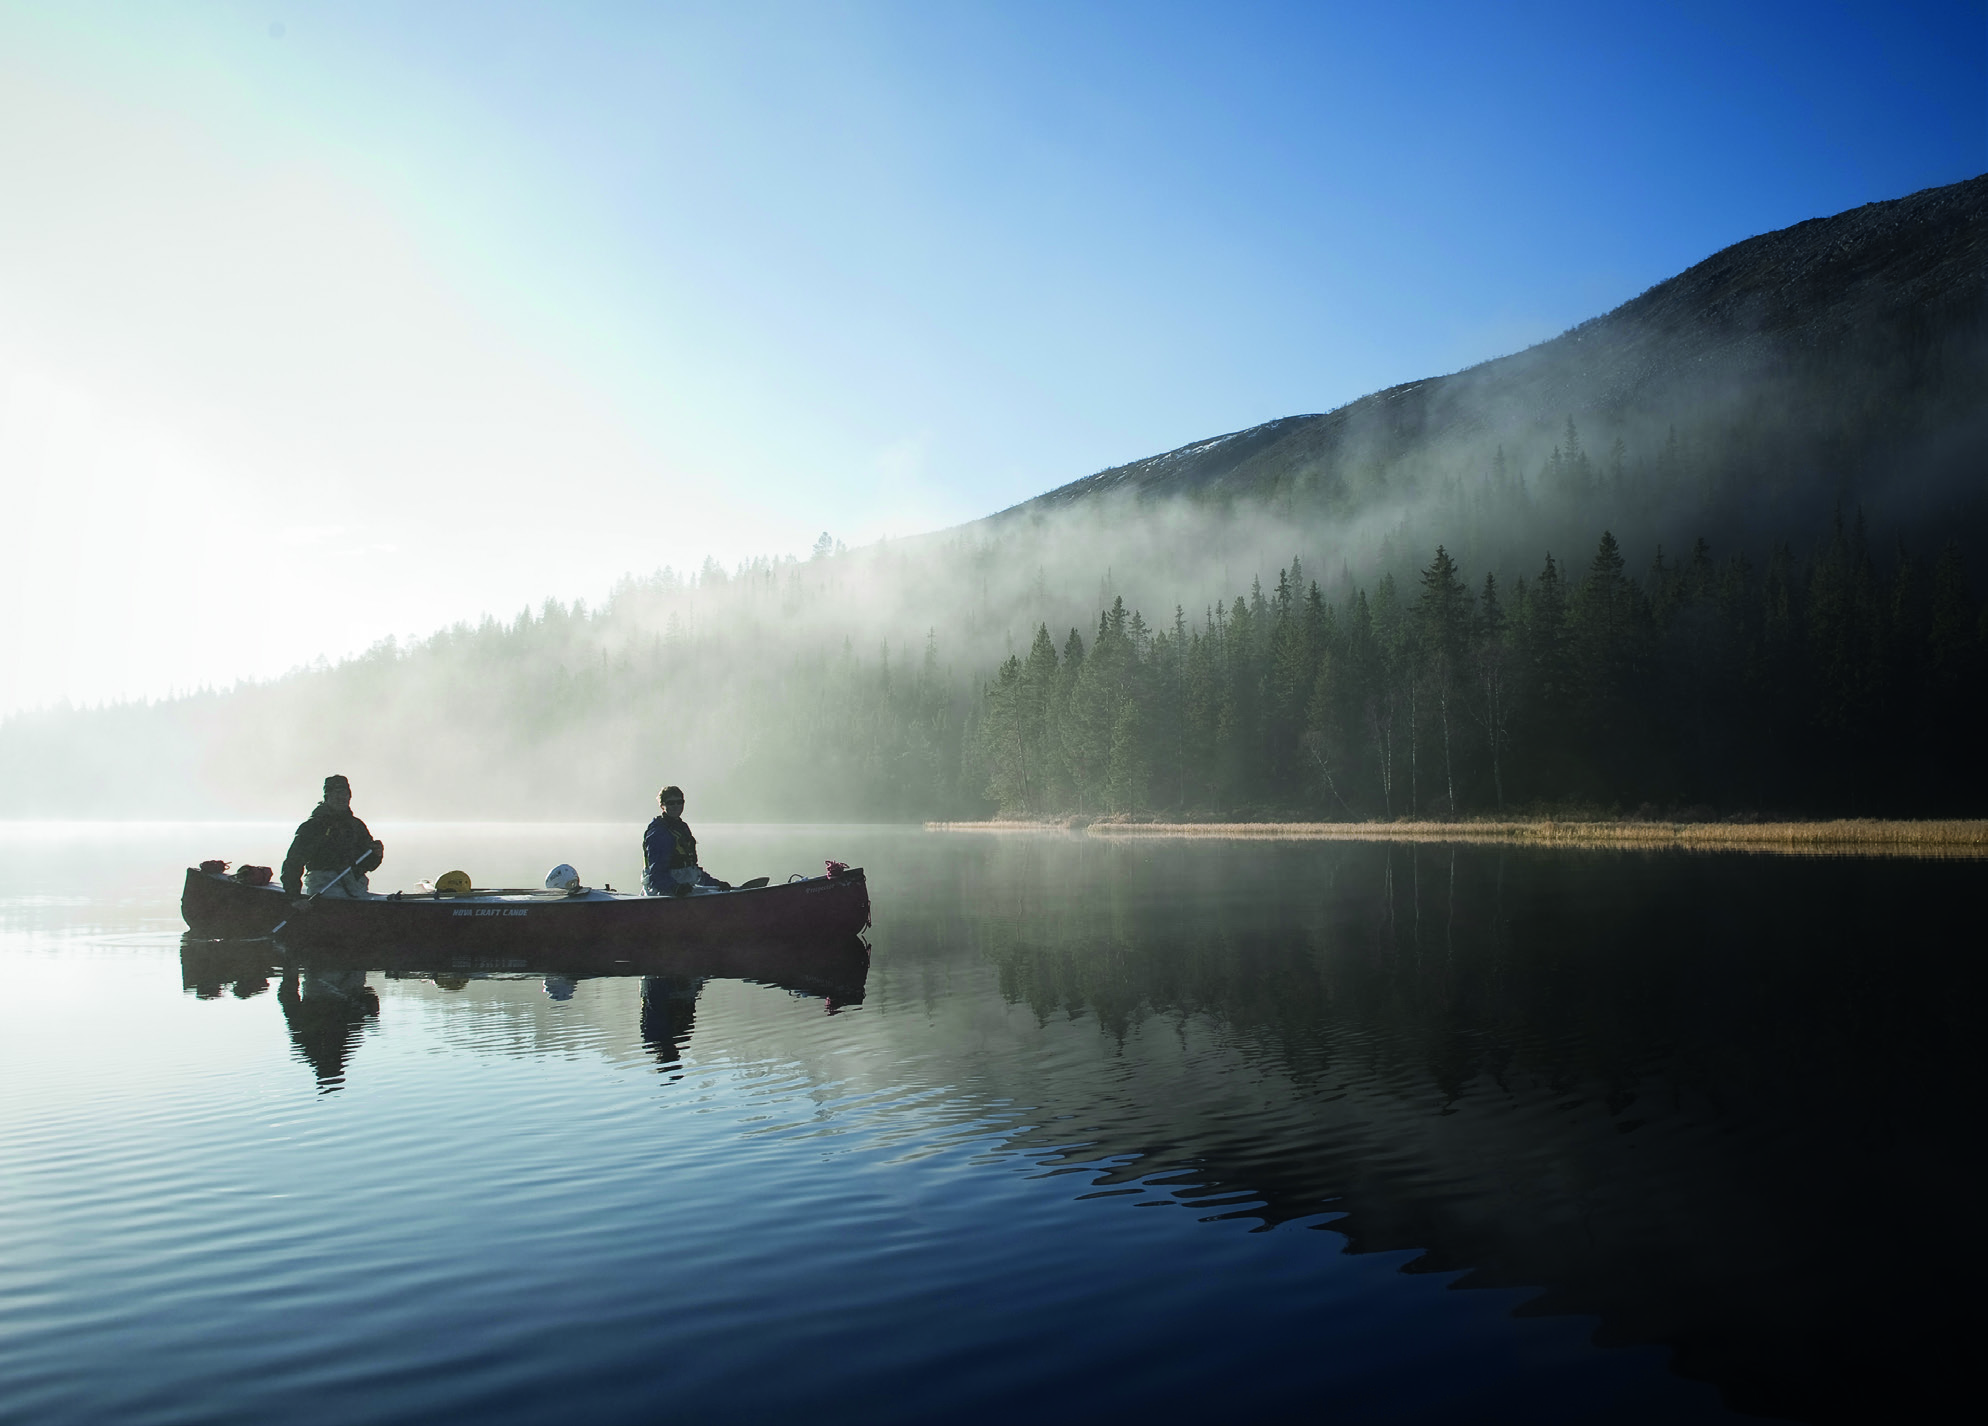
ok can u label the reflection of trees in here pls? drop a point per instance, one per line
(1651, 1085)
(1473, 966)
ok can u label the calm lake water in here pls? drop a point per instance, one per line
(1143, 1131)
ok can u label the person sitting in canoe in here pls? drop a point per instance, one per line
(328, 842)
(669, 852)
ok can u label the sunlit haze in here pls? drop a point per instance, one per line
(322, 324)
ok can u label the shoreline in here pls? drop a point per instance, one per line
(1861, 836)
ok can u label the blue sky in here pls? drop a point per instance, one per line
(475, 304)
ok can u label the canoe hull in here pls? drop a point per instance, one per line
(820, 909)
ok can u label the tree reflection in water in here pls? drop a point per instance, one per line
(1725, 1104)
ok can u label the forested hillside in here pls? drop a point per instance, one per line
(561, 712)
(1825, 684)
(1848, 677)
(1788, 442)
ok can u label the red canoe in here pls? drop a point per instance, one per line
(829, 909)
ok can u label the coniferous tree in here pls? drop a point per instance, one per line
(1443, 619)
(1394, 691)
(1491, 663)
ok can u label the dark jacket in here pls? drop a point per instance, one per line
(667, 845)
(329, 841)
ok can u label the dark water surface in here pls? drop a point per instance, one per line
(1147, 1131)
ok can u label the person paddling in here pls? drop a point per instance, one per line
(669, 852)
(330, 840)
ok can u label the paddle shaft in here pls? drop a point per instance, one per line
(322, 890)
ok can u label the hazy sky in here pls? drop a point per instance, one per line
(323, 322)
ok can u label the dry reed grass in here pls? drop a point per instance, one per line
(1865, 836)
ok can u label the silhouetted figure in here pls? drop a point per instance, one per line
(327, 842)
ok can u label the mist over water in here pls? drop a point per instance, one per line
(1101, 1128)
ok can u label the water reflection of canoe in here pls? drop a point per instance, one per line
(826, 909)
(834, 970)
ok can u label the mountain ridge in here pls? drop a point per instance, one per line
(1900, 280)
